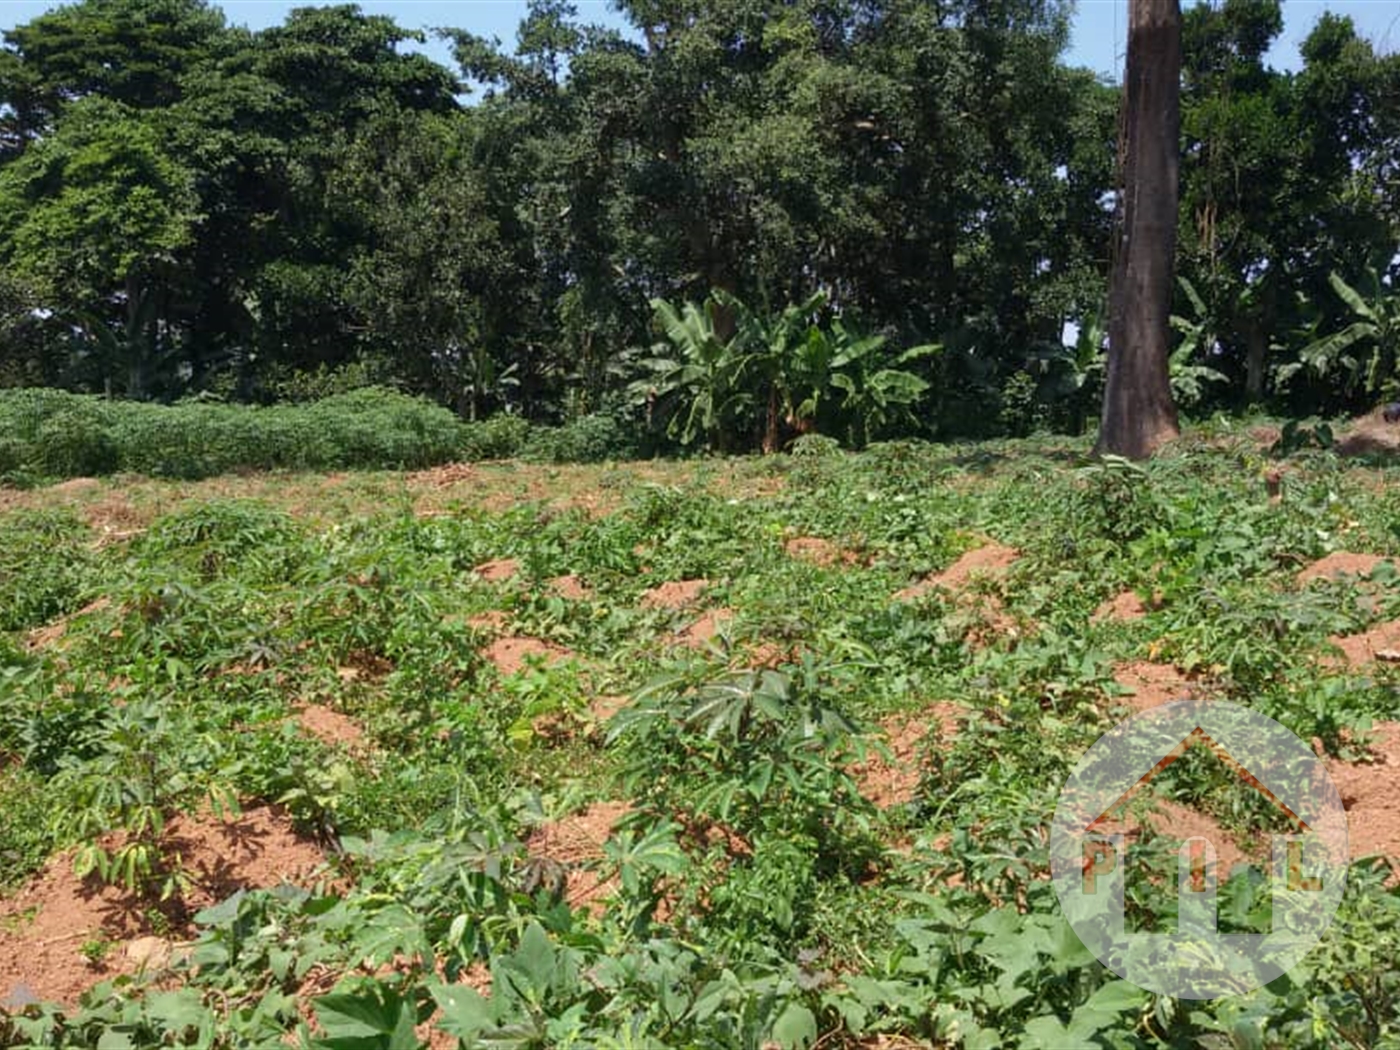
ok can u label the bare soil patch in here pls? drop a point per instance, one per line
(44, 927)
(987, 562)
(330, 726)
(577, 843)
(1379, 643)
(492, 621)
(571, 587)
(820, 552)
(602, 708)
(1153, 684)
(705, 629)
(1340, 563)
(894, 781)
(499, 570)
(676, 594)
(1370, 435)
(1124, 608)
(1371, 795)
(1181, 822)
(513, 654)
(52, 633)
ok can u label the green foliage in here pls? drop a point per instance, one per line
(45, 567)
(66, 435)
(784, 374)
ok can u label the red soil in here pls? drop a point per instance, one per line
(498, 571)
(894, 781)
(1371, 794)
(577, 842)
(330, 726)
(991, 560)
(819, 551)
(570, 587)
(1152, 684)
(44, 927)
(674, 595)
(1123, 607)
(512, 655)
(1379, 643)
(1340, 563)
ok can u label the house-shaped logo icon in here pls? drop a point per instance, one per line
(1090, 861)
(1102, 851)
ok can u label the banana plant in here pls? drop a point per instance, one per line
(695, 366)
(875, 396)
(1366, 350)
(1189, 379)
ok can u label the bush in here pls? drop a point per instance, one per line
(589, 439)
(499, 437)
(64, 435)
(74, 444)
(42, 564)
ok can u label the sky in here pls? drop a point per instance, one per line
(1098, 37)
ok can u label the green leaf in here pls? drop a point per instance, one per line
(796, 1027)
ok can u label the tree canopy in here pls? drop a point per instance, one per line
(189, 207)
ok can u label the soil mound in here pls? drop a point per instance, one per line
(820, 552)
(513, 655)
(705, 629)
(571, 588)
(1153, 684)
(992, 560)
(1123, 608)
(1371, 794)
(50, 928)
(894, 781)
(499, 570)
(330, 726)
(576, 842)
(1340, 563)
(674, 595)
(1379, 643)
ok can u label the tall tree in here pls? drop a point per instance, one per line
(1138, 412)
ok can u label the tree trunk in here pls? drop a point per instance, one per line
(1258, 351)
(1138, 412)
(772, 432)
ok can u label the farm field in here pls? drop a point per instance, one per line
(752, 752)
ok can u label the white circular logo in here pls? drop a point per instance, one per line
(1196, 932)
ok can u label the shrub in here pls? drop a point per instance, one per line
(73, 444)
(63, 435)
(500, 437)
(589, 439)
(42, 564)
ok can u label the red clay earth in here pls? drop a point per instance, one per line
(498, 571)
(1371, 794)
(52, 633)
(577, 842)
(1123, 608)
(492, 621)
(987, 617)
(820, 552)
(1340, 563)
(991, 560)
(674, 595)
(1152, 684)
(1181, 822)
(44, 927)
(330, 726)
(895, 780)
(570, 587)
(1379, 643)
(513, 654)
(705, 629)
